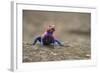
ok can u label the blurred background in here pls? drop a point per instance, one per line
(67, 23)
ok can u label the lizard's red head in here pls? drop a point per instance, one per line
(51, 28)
